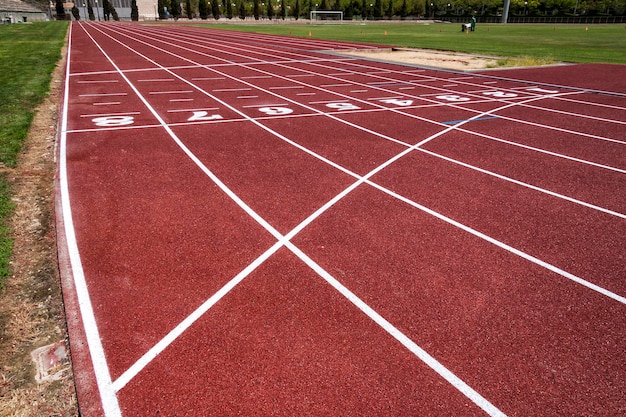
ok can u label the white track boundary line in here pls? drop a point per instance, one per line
(108, 398)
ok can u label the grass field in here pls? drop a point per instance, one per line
(28, 55)
(571, 43)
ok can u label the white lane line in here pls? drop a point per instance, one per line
(228, 90)
(255, 77)
(108, 396)
(208, 78)
(155, 80)
(359, 91)
(578, 115)
(385, 98)
(306, 94)
(290, 87)
(170, 92)
(246, 97)
(109, 103)
(524, 184)
(253, 106)
(506, 247)
(110, 114)
(102, 94)
(192, 110)
(180, 100)
(97, 81)
(411, 346)
(181, 327)
(329, 101)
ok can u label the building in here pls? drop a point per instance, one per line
(16, 11)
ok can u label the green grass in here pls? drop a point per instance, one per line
(28, 55)
(6, 243)
(570, 43)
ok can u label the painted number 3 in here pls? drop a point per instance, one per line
(112, 121)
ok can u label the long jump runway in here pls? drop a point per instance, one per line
(249, 226)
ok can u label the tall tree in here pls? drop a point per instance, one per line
(134, 11)
(270, 9)
(378, 9)
(404, 9)
(203, 9)
(60, 10)
(229, 9)
(90, 11)
(389, 12)
(256, 9)
(161, 6)
(75, 12)
(283, 9)
(106, 11)
(215, 9)
(296, 10)
(175, 9)
(242, 10)
(188, 9)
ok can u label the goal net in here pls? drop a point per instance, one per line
(331, 15)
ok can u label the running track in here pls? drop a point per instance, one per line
(249, 226)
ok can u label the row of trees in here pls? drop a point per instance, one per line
(379, 9)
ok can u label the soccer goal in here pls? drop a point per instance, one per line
(331, 15)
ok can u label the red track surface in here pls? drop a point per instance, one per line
(250, 227)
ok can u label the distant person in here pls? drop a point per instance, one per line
(473, 23)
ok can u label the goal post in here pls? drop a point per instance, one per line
(331, 15)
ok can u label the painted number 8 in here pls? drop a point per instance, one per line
(112, 121)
